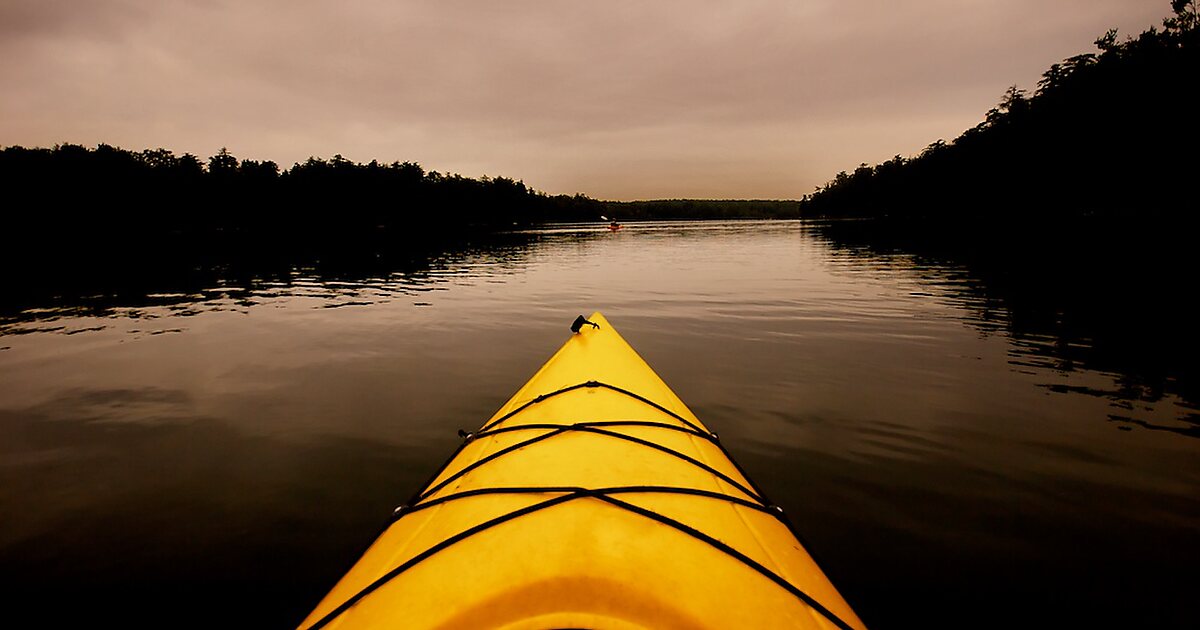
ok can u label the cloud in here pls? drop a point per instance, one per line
(699, 97)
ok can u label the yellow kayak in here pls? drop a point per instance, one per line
(592, 499)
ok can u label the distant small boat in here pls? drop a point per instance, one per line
(614, 226)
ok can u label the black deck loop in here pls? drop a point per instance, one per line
(553, 430)
(591, 384)
(597, 423)
(406, 510)
(570, 494)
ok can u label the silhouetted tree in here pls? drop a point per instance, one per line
(1103, 134)
(222, 164)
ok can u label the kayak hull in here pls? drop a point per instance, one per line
(593, 498)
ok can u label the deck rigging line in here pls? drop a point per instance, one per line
(560, 429)
(421, 501)
(603, 494)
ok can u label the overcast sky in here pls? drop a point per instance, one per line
(615, 99)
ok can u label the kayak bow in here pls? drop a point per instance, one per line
(593, 498)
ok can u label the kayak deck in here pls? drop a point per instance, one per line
(592, 498)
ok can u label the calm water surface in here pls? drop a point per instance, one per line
(222, 454)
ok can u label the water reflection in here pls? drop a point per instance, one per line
(183, 283)
(1065, 301)
(237, 431)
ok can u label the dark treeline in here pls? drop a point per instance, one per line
(157, 191)
(113, 222)
(1108, 134)
(1073, 208)
(108, 194)
(119, 225)
(701, 209)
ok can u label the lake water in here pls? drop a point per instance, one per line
(193, 454)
